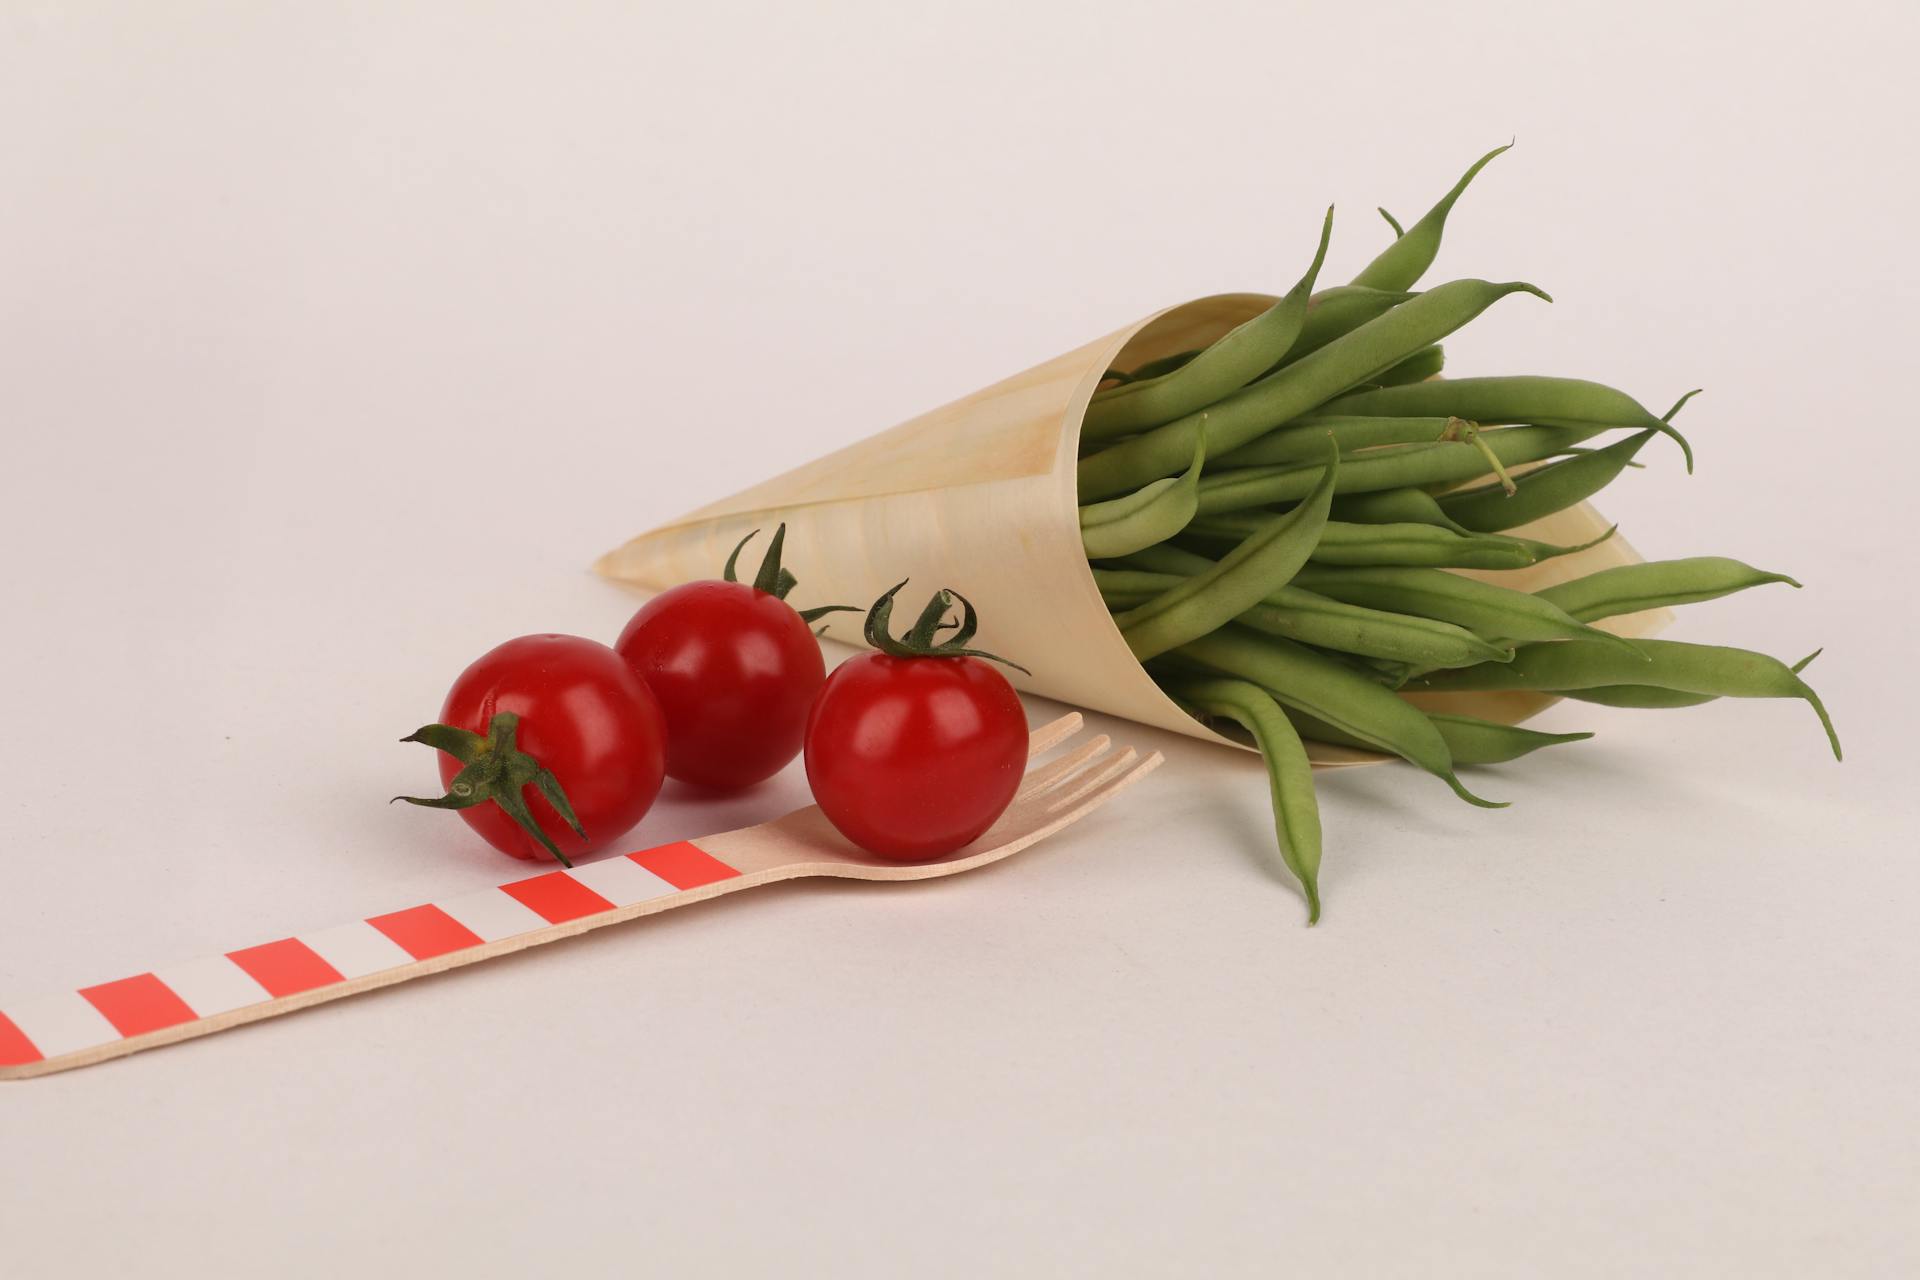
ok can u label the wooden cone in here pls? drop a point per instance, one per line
(979, 496)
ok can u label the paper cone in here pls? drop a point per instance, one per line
(979, 496)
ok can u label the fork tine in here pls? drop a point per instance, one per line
(1051, 773)
(1061, 796)
(1029, 821)
(1051, 735)
(1106, 791)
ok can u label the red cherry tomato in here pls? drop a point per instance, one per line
(913, 758)
(585, 717)
(735, 670)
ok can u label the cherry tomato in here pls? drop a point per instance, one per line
(583, 716)
(735, 669)
(914, 757)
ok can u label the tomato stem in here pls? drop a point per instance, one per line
(920, 642)
(775, 580)
(497, 770)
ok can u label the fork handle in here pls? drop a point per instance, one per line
(181, 1001)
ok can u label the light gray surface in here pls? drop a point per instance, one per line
(336, 341)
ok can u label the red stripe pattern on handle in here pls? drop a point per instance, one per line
(49, 1027)
(684, 865)
(15, 1049)
(138, 1005)
(556, 897)
(286, 967)
(426, 931)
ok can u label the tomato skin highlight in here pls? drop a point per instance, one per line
(736, 671)
(912, 758)
(585, 716)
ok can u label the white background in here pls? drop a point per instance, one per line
(337, 340)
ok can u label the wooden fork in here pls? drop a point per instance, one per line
(177, 1002)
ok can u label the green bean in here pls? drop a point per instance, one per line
(1419, 585)
(1382, 671)
(1294, 614)
(1393, 222)
(1154, 368)
(1418, 367)
(1124, 588)
(1542, 402)
(1580, 450)
(1393, 506)
(1395, 467)
(1547, 551)
(1490, 611)
(1568, 665)
(1404, 261)
(1402, 544)
(1539, 493)
(1337, 311)
(1317, 730)
(1467, 737)
(1643, 697)
(1226, 366)
(1470, 741)
(1297, 388)
(1264, 561)
(1323, 688)
(1639, 697)
(1658, 584)
(1169, 559)
(1306, 439)
(1410, 643)
(1153, 514)
(1476, 741)
(1343, 543)
(1296, 811)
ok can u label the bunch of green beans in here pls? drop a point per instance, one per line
(1274, 521)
